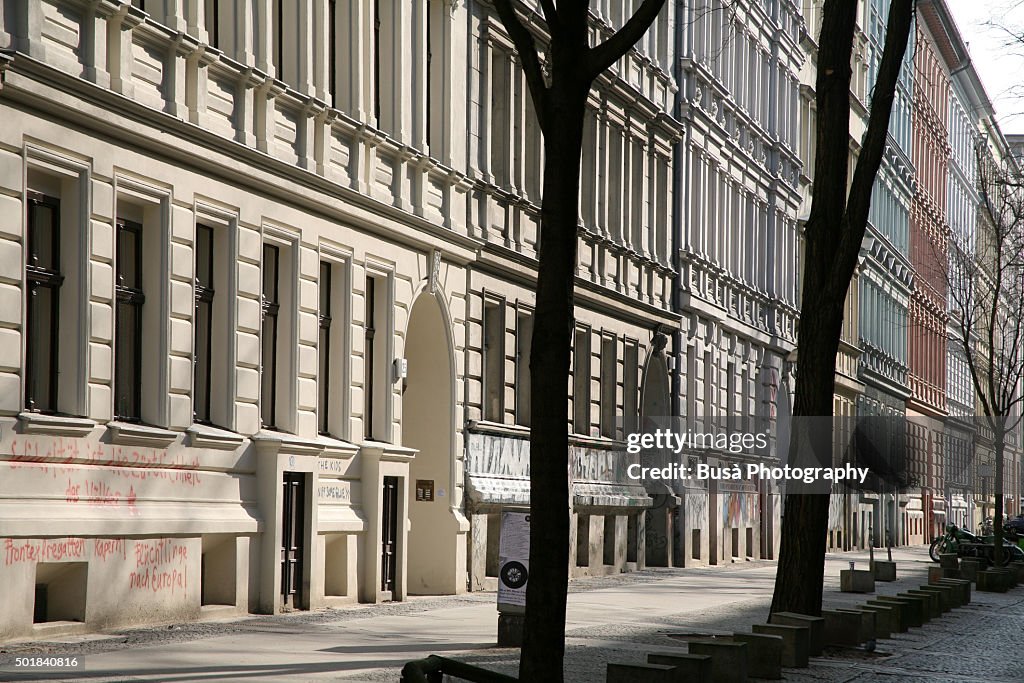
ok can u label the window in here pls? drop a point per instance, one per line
(212, 17)
(332, 48)
(128, 325)
(376, 61)
(271, 306)
(630, 386)
(324, 350)
(493, 360)
(278, 47)
(43, 306)
(203, 327)
(373, 340)
(524, 342)
(501, 116)
(581, 382)
(609, 383)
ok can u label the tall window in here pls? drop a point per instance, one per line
(278, 9)
(212, 12)
(630, 393)
(609, 383)
(494, 360)
(43, 315)
(429, 59)
(128, 328)
(376, 61)
(524, 342)
(332, 50)
(203, 344)
(581, 382)
(324, 351)
(370, 333)
(271, 306)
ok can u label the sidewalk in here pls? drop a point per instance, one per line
(617, 618)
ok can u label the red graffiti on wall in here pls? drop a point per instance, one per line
(54, 455)
(152, 570)
(104, 548)
(46, 550)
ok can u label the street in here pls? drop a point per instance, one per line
(618, 618)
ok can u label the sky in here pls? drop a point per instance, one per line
(998, 59)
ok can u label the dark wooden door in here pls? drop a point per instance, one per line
(293, 531)
(389, 535)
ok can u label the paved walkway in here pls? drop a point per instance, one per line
(617, 618)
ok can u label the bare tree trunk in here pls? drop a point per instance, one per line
(833, 236)
(544, 636)
(997, 516)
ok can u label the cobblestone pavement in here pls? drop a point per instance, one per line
(619, 618)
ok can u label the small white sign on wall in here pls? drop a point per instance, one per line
(513, 562)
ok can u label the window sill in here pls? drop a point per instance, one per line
(55, 425)
(127, 434)
(287, 444)
(498, 429)
(205, 436)
(336, 447)
(387, 452)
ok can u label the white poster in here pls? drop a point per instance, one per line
(513, 562)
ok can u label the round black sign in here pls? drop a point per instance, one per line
(514, 574)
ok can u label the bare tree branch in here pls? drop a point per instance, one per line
(901, 14)
(605, 54)
(526, 46)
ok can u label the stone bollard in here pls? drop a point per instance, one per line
(728, 660)
(910, 610)
(991, 582)
(842, 628)
(885, 570)
(962, 585)
(815, 627)
(935, 573)
(1006, 577)
(870, 624)
(1010, 574)
(695, 668)
(949, 561)
(1018, 567)
(887, 619)
(949, 597)
(510, 629)
(642, 673)
(856, 581)
(969, 568)
(932, 602)
(794, 642)
(764, 654)
(955, 595)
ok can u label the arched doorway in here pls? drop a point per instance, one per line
(655, 413)
(437, 552)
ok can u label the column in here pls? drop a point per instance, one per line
(119, 48)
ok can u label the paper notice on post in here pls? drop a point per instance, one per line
(513, 562)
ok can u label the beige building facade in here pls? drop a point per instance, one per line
(265, 300)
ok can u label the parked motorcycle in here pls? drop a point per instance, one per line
(965, 544)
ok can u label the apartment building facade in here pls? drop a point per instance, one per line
(267, 302)
(928, 320)
(738, 248)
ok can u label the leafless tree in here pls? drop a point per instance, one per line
(833, 236)
(985, 280)
(559, 97)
